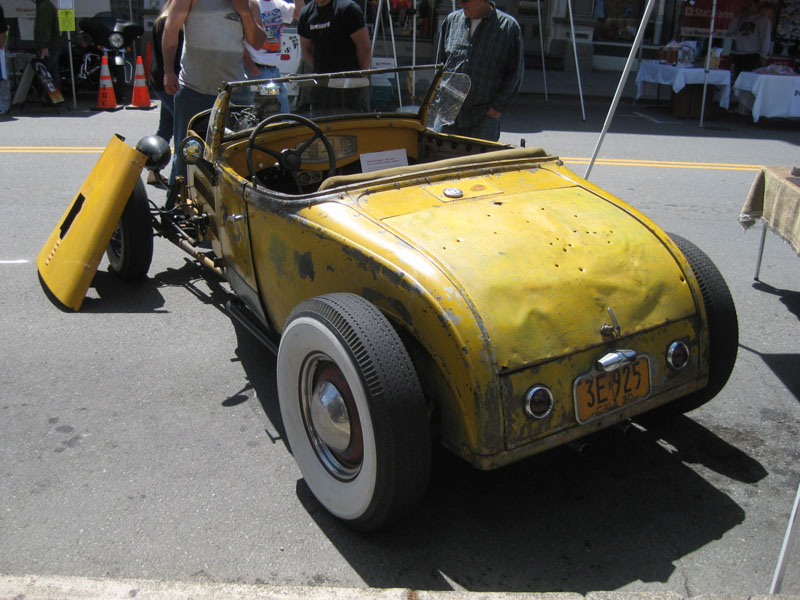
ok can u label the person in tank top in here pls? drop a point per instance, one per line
(213, 33)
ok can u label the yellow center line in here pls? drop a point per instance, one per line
(51, 149)
(618, 162)
(629, 162)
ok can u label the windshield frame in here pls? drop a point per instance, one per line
(219, 133)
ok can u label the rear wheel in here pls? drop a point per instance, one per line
(353, 410)
(130, 250)
(723, 326)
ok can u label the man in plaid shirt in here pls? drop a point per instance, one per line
(485, 43)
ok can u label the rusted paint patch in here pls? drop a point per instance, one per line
(397, 307)
(305, 265)
(278, 255)
(368, 263)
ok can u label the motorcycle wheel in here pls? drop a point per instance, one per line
(90, 72)
(119, 83)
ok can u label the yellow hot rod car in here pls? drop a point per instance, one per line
(417, 287)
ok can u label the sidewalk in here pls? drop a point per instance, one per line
(84, 588)
(594, 84)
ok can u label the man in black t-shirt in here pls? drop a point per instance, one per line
(334, 37)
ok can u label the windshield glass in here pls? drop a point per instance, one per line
(418, 92)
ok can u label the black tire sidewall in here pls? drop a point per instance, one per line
(136, 231)
(390, 402)
(722, 322)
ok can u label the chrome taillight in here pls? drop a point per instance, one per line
(538, 402)
(678, 355)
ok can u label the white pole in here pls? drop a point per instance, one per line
(637, 42)
(72, 72)
(379, 20)
(777, 579)
(541, 46)
(375, 29)
(394, 51)
(708, 60)
(575, 52)
(413, 48)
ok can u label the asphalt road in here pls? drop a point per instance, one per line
(141, 438)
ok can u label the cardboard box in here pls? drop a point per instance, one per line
(718, 62)
(668, 55)
(689, 101)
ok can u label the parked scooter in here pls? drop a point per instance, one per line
(111, 36)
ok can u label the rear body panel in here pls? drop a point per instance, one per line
(507, 285)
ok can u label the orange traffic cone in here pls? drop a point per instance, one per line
(141, 97)
(106, 100)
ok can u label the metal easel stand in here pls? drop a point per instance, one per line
(575, 52)
(72, 72)
(637, 42)
(378, 21)
(777, 579)
(708, 60)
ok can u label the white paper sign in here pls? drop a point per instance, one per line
(373, 161)
(379, 62)
(83, 8)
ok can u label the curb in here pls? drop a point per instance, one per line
(84, 588)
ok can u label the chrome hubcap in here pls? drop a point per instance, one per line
(331, 417)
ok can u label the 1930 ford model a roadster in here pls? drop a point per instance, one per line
(415, 286)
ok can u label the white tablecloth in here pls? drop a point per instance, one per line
(652, 72)
(768, 95)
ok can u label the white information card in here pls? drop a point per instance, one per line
(373, 161)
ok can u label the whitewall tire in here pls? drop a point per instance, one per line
(353, 410)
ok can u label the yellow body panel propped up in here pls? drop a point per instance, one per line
(69, 259)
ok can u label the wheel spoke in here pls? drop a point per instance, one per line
(266, 150)
(298, 150)
(304, 145)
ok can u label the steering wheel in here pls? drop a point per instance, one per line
(289, 159)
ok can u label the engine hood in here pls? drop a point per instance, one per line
(541, 260)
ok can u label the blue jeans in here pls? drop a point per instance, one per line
(165, 118)
(52, 63)
(187, 104)
(487, 128)
(273, 73)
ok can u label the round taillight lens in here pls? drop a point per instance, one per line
(538, 402)
(678, 355)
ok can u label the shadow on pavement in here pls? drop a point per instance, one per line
(560, 521)
(790, 298)
(625, 510)
(117, 296)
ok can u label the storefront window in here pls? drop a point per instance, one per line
(618, 20)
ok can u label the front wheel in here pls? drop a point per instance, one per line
(353, 410)
(119, 82)
(130, 250)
